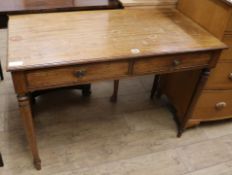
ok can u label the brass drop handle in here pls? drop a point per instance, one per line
(230, 76)
(80, 73)
(220, 105)
(176, 63)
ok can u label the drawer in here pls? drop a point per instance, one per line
(220, 77)
(229, 26)
(70, 75)
(170, 63)
(213, 105)
(227, 53)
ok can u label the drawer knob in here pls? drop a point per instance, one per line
(80, 73)
(220, 105)
(176, 63)
(230, 76)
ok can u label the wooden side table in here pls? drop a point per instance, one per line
(103, 53)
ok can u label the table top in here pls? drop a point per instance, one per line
(28, 6)
(57, 39)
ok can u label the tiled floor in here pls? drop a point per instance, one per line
(91, 136)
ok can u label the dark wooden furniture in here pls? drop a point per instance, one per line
(1, 161)
(41, 6)
(214, 102)
(1, 72)
(156, 42)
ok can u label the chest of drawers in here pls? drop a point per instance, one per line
(215, 100)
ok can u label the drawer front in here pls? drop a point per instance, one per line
(213, 105)
(227, 53)
(220, 77)
(70, 75)
(229, 26)
(170, 63)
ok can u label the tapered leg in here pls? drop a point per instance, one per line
(155, 86)
(115, 93)
(26, 114)
(180, 131)
(1, 72)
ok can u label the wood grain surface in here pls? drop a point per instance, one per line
(200, 10)
(83, 37)
(213, 105)
(221, 77)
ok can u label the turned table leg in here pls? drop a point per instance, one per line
(26, 114)
(115, 93)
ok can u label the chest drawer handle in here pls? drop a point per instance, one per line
(230, 76)
(220, 105)
(80, 73)
(176, 63)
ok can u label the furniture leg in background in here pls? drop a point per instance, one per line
(3, 21)
(86, 89)
(155, 89)
(1, 161)
(114, 97)
(155, 86)
(1, 72)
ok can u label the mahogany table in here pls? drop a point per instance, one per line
(115, 44)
